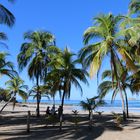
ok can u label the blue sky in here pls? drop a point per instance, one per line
(66, 19)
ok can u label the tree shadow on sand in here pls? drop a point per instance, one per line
(50, 133)
(43, 131)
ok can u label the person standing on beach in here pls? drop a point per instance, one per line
(60, 111)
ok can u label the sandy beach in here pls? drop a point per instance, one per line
(13, 125)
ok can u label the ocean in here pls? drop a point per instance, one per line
(134, 105)
(116, 103)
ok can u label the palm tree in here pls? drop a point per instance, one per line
(134, 80)
(36, 53)
(91, 104)
(119, 85)
(68, 74)
(16, 86)
(52, 83)
(6, 17)
(51, 89)
(6, 67)
(43, 90)
(4, 94)
(105, 30)
(129, 33)
(134, 7)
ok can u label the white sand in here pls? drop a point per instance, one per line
(101, 131)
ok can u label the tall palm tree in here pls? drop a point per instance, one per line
(36, 53)
(16, 86)
(104, 34)
(68, 74)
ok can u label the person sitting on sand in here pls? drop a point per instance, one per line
(48, 111)
(53, 112)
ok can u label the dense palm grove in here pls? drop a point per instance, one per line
(54, 70)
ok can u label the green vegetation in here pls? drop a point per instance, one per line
(75, 119)
(67, 74)
(6, 67)
(16, 86)
(92, 104)
(4, 94)
(109, 85)
(7, 17)
(117, 119)
(56, 70)
(35, 53)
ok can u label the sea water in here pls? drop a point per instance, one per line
(134, 105)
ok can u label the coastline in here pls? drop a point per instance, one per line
(13, 125)
(24, 107)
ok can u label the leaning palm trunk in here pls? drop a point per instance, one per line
(14, 103)
(7, 103)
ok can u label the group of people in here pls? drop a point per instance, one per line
(52, 111)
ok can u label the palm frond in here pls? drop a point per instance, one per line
(6, 17)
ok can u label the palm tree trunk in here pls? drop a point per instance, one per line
(61, 115)
(14, 101)
(38, 98)
(90, 119)
(53, 100)
(89, 114)
(123, 104)
(6, 104)
(126, 100)
(62, 103)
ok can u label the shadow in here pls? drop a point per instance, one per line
(42, 129)
(136, 128)
(50, 133)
